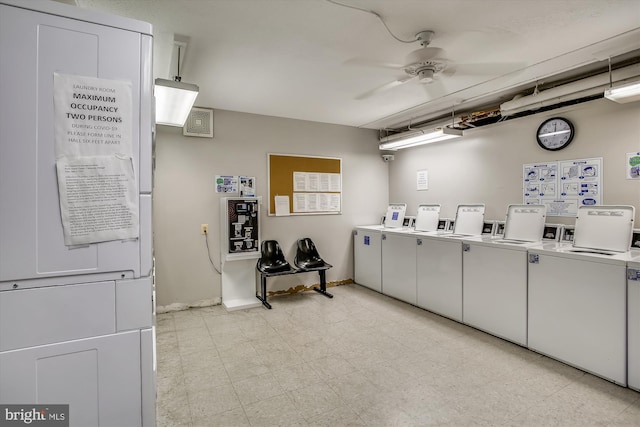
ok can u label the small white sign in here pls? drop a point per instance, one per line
(282, 206)
(422, 180)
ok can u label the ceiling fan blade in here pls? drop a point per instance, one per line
(483, 69)
(383, 88)
(423, 54)
(435, 89)
(362, 62)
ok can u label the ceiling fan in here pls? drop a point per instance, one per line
(427, 66)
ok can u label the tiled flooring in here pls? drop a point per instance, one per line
(362, 359)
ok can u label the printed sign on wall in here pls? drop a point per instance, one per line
(563, 185)
(94, 159)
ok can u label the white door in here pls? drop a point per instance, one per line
(99, 378)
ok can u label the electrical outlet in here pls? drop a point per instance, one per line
(204, 228)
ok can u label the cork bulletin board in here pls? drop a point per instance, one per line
(312, 184)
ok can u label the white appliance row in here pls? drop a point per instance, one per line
(76, 322)
(559, 299)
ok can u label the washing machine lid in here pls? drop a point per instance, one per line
(469, 220)
(525, 222)
(608, 228)
(395, 215)
(427, 218)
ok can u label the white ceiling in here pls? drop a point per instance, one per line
(311, 59)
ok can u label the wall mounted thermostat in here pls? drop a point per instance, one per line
(555, 134)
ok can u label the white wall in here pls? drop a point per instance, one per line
(184, 197)
(485, 165)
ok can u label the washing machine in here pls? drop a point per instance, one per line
(578, 294)
(439, 263)
(633, 323)
(367, 247)
(494, 275)
(399, 254)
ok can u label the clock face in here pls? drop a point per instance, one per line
(555, 134)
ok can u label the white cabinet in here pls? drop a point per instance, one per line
(495, 289)
(439, 276)
(367, 258)
(399, 266)
(100, 378)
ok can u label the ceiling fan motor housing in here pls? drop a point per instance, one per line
(425, 75)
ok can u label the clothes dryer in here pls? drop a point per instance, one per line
(578, 294)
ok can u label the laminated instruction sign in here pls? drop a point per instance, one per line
(563, 186)
(94, 159)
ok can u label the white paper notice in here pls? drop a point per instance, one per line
(282, 205)
(98, 199)
(299, 181)
(93, 117)
(422, 180)
(316, 202)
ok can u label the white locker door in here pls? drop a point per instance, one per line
(367, 259)
(439, 277)
(399, 266)
(99, 378)
(577, 314)
(495, 291)
(40, 44)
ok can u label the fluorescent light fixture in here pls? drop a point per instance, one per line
(623, 94)
(418, 137)
(174, 101)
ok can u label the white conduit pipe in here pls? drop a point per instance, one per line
(570, 91)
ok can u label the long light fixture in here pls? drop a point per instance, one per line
(628, 92)
(623, 94)
(174, 101)
(418, 137)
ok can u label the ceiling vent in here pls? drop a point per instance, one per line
(199, 123)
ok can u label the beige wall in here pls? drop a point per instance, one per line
(184, 197)
(485, 165)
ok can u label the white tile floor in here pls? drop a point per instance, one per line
(362, 359)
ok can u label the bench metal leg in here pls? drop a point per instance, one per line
(263, 291)
(323, 284)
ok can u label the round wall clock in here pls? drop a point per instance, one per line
(555, 133)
